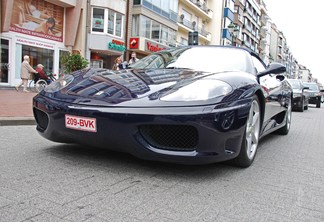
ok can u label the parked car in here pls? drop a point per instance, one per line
(314, 92)
(190, 105)
(300, 96)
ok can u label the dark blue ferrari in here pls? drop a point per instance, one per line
(190, 105)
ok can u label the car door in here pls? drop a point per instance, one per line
(273, 90)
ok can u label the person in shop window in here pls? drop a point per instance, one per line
(26, 73)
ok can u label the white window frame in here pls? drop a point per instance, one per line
(105, 30)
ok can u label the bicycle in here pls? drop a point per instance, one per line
(38, 84)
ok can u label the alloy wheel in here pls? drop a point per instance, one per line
(253, 130)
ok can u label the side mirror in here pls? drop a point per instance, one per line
(273, 68)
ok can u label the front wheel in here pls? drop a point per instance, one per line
(251, 136)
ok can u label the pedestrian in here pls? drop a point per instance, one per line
(42, 74)
(133, 58)
(118, 64)
(26, 73)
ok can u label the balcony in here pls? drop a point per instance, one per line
(64, 3)
(185, 22)
(189, 26)
(229, 14)
(264, 19)
(204, 33)
(171, 15)
(200, 7)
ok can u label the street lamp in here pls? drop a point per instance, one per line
(233, 29)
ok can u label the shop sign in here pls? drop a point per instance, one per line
(133, 43)
(38, 18)
(153, 47)
(117, 45)
(35, 43)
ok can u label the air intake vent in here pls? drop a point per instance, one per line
(170, 137)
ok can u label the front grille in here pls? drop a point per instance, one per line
(170, 137)
(41, 118)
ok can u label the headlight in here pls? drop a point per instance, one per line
(59, 84)
(295, 95)
(200, 90)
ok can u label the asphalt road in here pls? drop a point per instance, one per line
(46, 181)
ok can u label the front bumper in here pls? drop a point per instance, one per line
(189, 135)
(315, 99)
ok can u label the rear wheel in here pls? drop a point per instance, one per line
(251, 136)
(285, 129)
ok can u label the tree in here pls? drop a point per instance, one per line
(73, 62)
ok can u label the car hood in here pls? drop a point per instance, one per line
(130, 87)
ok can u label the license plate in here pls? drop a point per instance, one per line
(81, 123)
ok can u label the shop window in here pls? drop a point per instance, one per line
(4, 60)
(39, 56)
(61, 67)
(98, 18)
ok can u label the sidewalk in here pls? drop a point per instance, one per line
(16, 107)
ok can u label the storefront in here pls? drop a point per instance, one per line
(104, 50)
(143, 46)
(106, 39)
(36, 30)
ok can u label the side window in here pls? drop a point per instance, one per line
(258, 65)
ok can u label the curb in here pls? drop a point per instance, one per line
(17, 121)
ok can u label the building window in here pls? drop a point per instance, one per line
(111, 22)
(145, 27)
(98, 18)
(119, 23)
(107, 21)
(165, 8)
(155, 31)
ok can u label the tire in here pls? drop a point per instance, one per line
(40, 85)
(318, 105)
(285, 129)
(251, 135)
(306, 107)
(301, 108)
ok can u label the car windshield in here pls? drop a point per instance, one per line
(295, 84)
(312, 87)
(208, 59)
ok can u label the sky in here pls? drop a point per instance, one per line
(302, 24)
